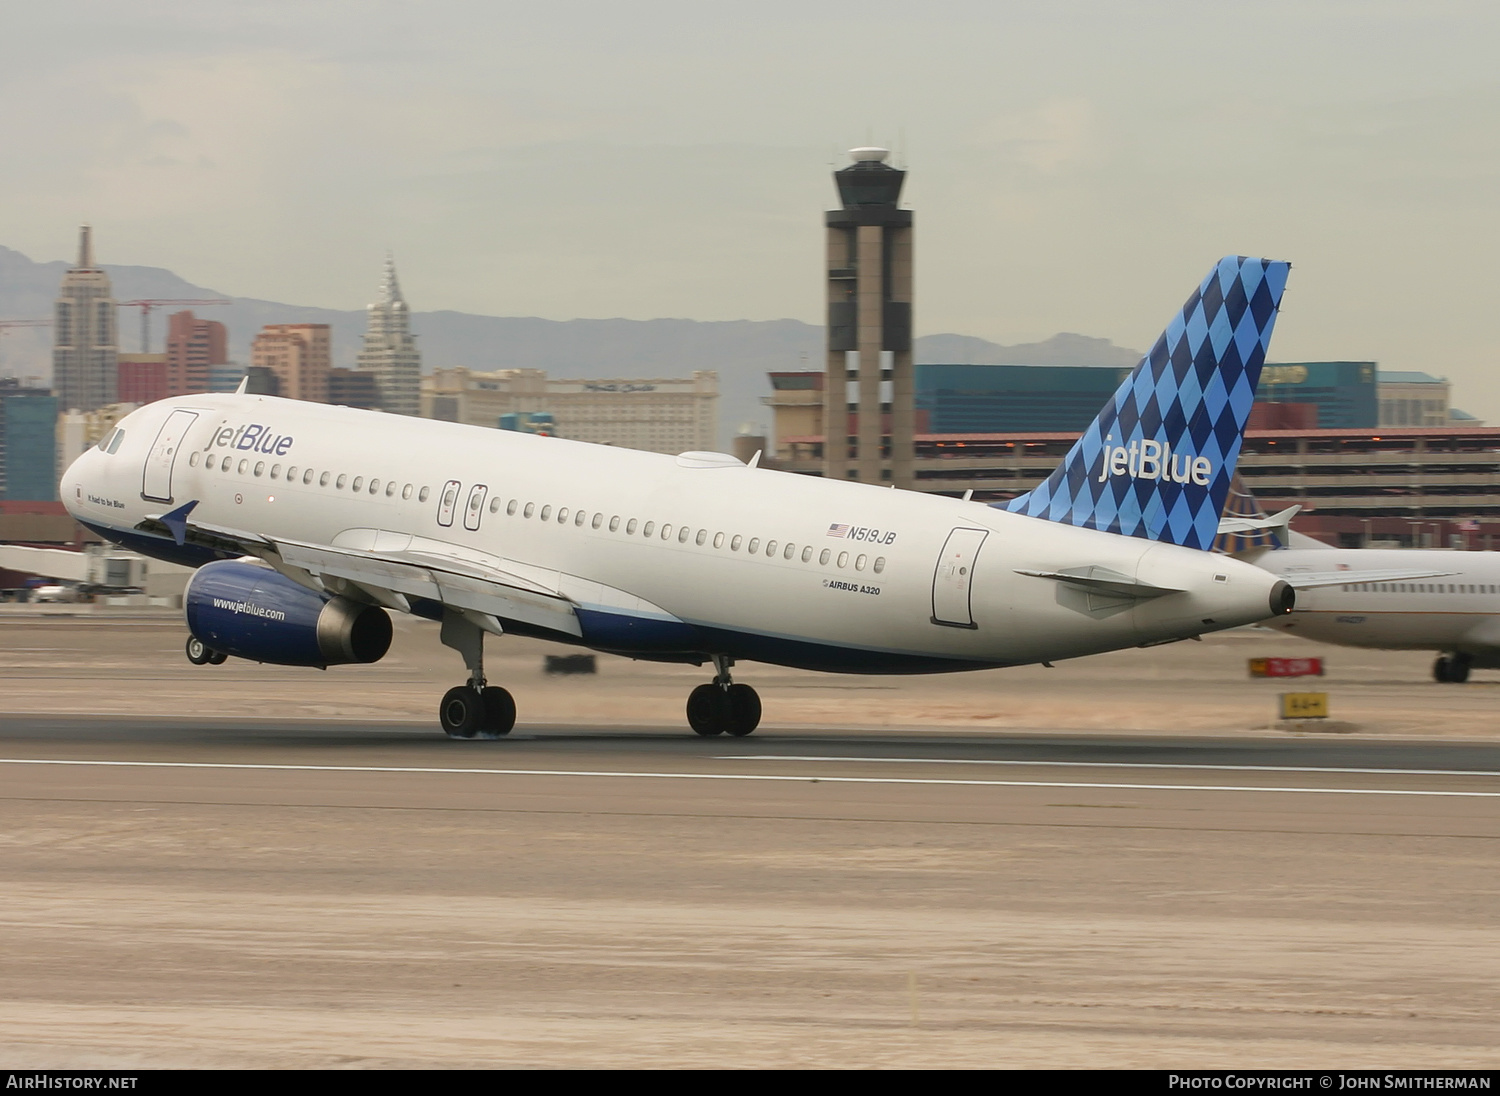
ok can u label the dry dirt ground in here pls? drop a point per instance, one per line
(385, 897)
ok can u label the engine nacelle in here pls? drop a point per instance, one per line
(253, 612)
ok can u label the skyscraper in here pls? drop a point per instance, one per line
(298, 355)
(194, 346)
(84, 370)
(390, 350)
(869, 326)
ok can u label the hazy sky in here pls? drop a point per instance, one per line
(1074, 166)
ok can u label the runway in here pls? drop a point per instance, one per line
(260, 891)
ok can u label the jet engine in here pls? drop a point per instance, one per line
(253, 612)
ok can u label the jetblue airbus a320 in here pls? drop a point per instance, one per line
(309, 524)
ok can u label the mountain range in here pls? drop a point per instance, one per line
(741, 351)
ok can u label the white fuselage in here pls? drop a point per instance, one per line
(1456, 611)
(761, 564)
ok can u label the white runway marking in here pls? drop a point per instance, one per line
(1112, 765)
(743, 777)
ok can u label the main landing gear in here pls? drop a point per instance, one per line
(722, 707)
(475, 709)
(1451, 668)
(200, 654)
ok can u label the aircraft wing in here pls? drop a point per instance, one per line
(409, 570)
(1312, 580)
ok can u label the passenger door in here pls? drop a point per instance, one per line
(156, 484)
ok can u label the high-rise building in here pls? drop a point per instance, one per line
(28, 442)
(659, 414)
(391, 351)
(194, 347)
(143, 378)
(85, 343)
(299, 356)
(869, 326)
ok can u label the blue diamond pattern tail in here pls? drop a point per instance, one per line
(1158, 461)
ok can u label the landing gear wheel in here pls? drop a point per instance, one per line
(707, 710)
(743, 707)
(217, 658)
(462, 712)
(1440, 670)
(499, 712)
(1458, 669)
(197, 652)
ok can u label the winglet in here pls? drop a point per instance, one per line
(176, 521)
(1158, 460)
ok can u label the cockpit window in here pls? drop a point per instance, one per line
(110, 443)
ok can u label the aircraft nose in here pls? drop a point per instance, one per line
(70, 487)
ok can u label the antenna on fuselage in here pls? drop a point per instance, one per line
(244, 382)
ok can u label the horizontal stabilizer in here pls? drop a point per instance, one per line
(1312, 580)
(1102, 580)
(1276, 523)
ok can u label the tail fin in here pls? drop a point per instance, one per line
(1245, 525)
(1158, 460)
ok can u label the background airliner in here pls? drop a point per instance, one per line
(350, 514)
(1418, 599)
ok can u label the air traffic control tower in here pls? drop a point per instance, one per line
(869, 327)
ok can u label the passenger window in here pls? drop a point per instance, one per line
(666, 532)
(648, 529)
(599, 520)
(225, 466)
(754, 545)
(843, 560)
(734, 545)
(718, 540)
(390, 488)
(879, 564)
(510, 509)
(859, 563)
(406, 491)
(807, 553)
(791, 550)
(562, 515)
(343, 479)
(192, 461)
(683, 534)
(770, 548)
(359, 482)
(702, 537)
(823, 557)
(244, 464)
(260, 466)
(546, 512)
(291, 473)
(495, 505)
(422, 494)
(374, 486)
(614, 523)
(579, 517)
(530, 509)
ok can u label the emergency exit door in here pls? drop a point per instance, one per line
(953, 580)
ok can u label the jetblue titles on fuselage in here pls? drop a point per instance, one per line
(252, 437)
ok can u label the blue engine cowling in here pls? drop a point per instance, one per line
(253, 612)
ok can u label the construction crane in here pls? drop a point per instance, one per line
(147, 306)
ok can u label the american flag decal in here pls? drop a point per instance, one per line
(838, 530)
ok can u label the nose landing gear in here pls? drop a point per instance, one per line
(201, 654)
(722, 707)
